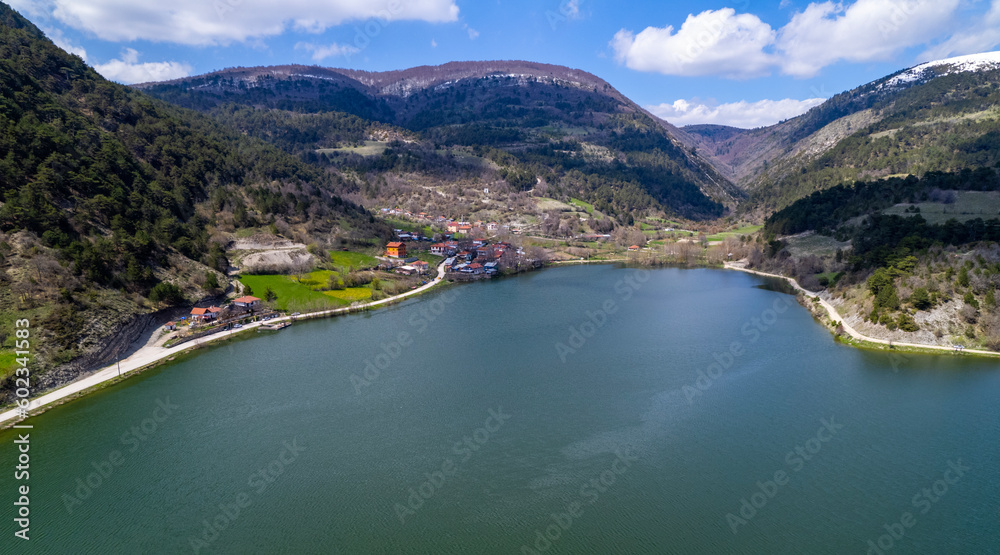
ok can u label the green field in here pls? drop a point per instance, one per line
(8, 362)
(745, 230)
(292, 295)
(581, 204)
(968, 205)
(407, 225)
(348, 260)
(351, 294)
(432, 260)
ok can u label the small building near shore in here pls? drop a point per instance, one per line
(205, 314)
(170, 326)
(248, 303)
(420, 266)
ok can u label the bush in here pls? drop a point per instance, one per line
(211, 281)
(907, 323)
(166, 293)
(921, 299)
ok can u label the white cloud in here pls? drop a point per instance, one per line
(322, 52)
(740, 46)
(866, 30)
(473, 34)
(129, 70)
(746, 115)
(716, 42)
(434, 43)
(211, 22)
(981, 36)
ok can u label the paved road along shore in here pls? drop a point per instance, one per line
(835, 316)
(149, 355)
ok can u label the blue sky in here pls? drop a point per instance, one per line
(745, 63)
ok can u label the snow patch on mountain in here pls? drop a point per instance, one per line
(959, 64)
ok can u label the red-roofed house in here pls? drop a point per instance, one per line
(633, 248)
(396, 249)
(247, 302)
(205, 314)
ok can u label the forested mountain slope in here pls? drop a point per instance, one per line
(533, 123)
(114, 204)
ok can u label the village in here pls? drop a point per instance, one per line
(466, 251)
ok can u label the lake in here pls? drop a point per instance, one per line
(582, 410)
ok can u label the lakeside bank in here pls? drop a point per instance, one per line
(858, 339)
(150, 357)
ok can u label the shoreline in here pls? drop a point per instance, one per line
(856, 338)
(151, 356)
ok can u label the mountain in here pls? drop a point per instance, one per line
(114, 204)
(530, 123)
(938, 116)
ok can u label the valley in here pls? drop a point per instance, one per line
(195, 190)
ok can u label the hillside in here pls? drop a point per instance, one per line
(514, 124)
(912, 259)
(938, 116)
(114, 204)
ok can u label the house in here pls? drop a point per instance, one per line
(396, 249)
(633, 248)
(170, 326)
(464, 228)
(420, 266)
(479, 242)
(492, 226)
(248, 303)
(491, 267)
(484, 252)
(205, 314)
(406, 270)
(453, 227)
(475, 269)
(466, 256)
(438, 249)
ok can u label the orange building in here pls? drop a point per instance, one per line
(396, 249)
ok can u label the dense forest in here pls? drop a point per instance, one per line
(946, 124)
(106, 189)
(528, 127)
